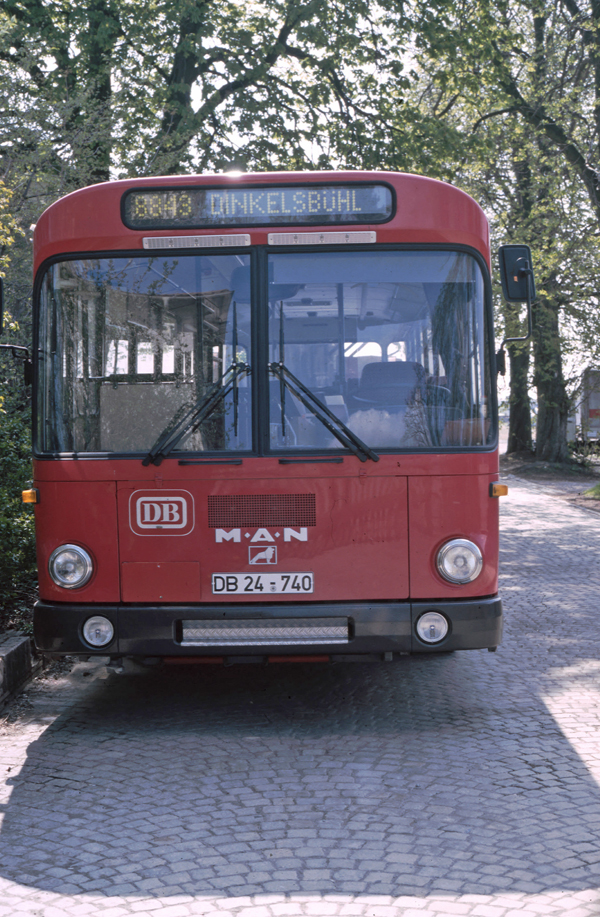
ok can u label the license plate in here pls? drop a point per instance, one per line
(262, 583)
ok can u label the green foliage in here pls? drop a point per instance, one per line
(17, 543)
(9, 228)
(147, 87)
(593, 492)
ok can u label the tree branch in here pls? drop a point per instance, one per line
(494, 114)
(537, 118)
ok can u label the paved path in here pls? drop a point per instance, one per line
(463, 784)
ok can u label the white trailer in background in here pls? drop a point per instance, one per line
(584, 423)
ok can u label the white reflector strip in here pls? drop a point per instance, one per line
(233, 241)
(321, 238)
(276, 632)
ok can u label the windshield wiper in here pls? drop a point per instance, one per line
(329, 420)
(198, 413)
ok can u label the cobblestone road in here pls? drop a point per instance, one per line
(467, 784)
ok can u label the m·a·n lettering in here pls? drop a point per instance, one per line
(260, 535)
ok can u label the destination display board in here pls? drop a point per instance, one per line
(292, 205)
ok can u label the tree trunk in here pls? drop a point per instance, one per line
(519, 424)
(553, 401)
(102, 32)
(178, 112)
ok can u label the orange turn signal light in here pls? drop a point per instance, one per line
(30, 496)
(498, 490)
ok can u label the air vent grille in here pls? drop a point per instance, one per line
(276, 632)
(261, 510)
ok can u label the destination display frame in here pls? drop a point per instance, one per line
(182, 207)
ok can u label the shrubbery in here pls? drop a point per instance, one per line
(18, 574)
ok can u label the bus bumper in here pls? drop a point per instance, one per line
(259, 632)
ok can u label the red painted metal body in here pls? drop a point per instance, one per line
(427, 212)
(378, 525)
(377, 531)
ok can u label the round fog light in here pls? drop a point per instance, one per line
(70, 566)
(98, 631)
(459, 561)
(432, 627)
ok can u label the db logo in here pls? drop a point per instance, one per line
(154, 512)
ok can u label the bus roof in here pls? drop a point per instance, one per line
(426, 212)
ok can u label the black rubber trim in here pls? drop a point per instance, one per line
(314, 180)
(375, 627)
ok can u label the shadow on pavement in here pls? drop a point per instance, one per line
(428, 775)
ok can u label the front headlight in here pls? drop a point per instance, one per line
(70, 566)
(98, 631)
(459, 561)
(432, 627)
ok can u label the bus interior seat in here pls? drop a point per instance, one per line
(389, 383)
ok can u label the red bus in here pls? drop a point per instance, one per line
(265, 419)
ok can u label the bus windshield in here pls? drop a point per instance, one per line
(391, 343)
(129, 345)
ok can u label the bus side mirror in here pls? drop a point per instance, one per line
(518, 285)
(516, 273)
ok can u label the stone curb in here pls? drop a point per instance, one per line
(16, 664)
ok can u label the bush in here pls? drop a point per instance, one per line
(18, 571)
